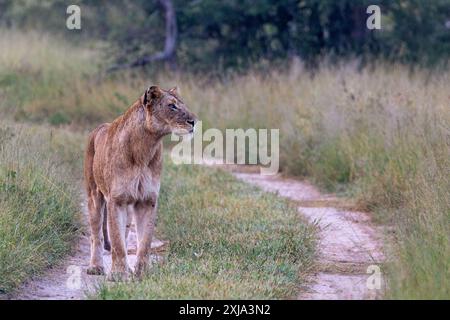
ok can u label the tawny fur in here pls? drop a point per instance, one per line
(122, 170)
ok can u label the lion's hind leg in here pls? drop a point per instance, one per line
(96, 205)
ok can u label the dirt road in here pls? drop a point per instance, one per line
(350, 245)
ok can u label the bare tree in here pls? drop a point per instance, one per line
(168, 53)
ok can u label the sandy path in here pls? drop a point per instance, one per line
(69, 280)
(348, 243)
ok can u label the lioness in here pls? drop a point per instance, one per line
(122, 170)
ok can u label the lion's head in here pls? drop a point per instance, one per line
(167, 113)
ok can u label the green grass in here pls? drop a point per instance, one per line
(421, 269)
(227, 241)
(39, 200)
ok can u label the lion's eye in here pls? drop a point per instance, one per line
(173, 107)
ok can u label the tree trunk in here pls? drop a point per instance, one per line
(168, 54)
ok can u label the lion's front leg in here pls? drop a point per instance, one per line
(117, 222)
(144, 217)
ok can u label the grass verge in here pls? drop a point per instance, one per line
(228, 240)
(39, 200)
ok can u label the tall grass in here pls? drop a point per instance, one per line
(422, 265)
(35, 69)
(380, 134)
(39, 200)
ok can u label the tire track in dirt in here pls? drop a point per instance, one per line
(348, 242)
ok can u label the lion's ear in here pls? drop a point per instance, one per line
(152, 93)
(174, 91)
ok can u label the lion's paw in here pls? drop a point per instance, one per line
(96, 271)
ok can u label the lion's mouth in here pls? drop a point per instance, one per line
(183, 131)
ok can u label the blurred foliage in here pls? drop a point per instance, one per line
(236, 33)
